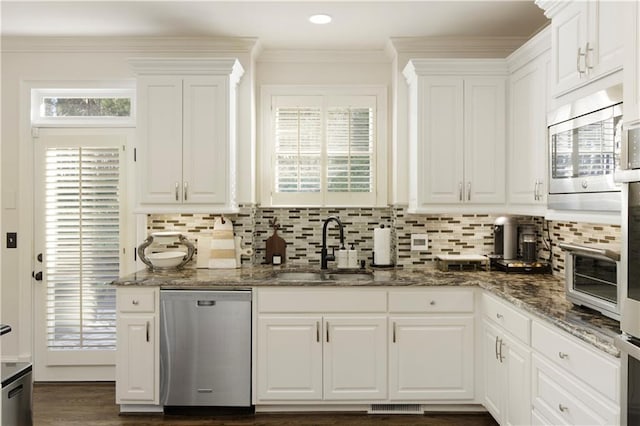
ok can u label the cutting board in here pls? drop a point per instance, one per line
(275, 245)
(223, 245)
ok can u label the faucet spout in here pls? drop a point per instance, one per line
(324, 256)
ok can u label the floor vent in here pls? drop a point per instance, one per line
(396, 409)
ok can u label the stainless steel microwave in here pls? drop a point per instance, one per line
(592, 278)
(585, 140)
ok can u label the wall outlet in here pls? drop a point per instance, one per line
(419, 242)
(12, 240)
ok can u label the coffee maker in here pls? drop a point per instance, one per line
(505, 238)
(527, 243)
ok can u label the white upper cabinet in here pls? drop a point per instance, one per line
(632, 63)
(526, 147)
(587, 41)
(185, 154)
(457, 134)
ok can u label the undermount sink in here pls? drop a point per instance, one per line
(328, 276)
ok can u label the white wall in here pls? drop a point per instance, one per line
(27, 61)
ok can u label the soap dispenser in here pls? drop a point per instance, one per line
(352, 257)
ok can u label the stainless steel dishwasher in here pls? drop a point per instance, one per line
(205, 348)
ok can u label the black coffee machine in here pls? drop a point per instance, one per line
(515, 247)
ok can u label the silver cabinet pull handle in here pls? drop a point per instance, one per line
(460, 191)
(496, 348)
(177, 187)
(535, 191)
(563, 355)
(587, 62)
(580, 55)
(394, 332)
(185, 186)
(327, 325)
(562, 408)
(468, 191)
(500, 357)
(317, 331)
(147, 331)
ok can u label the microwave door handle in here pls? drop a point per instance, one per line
(590, 250)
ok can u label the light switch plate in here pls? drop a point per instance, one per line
(419, 242)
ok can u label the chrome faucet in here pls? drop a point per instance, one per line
(324, 256)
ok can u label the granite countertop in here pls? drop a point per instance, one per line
(541, 295)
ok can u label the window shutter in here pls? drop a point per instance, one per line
(298, 149)
(349, 149)
(82, 247)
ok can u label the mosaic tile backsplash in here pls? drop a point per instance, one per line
(301, 228)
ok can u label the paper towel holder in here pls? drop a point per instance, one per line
(373, 257)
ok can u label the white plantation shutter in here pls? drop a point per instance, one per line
(324, 150)
(82, 246)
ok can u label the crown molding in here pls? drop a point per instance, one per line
(323, 56)
(188, 66)
(460, 47)
(536, 46)
(461, 67)
(551, 7)
(128, 44)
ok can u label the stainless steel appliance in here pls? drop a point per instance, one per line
(505, 237)
(630, 384)
(205, 353)
(631, 149)
(16, 394)
(592, 279)
(585, 140)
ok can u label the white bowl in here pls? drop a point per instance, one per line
(166, 259)
(166, 237)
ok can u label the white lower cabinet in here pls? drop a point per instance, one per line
(507, 366)
(137, 357)
(571, 382)
(316, 357)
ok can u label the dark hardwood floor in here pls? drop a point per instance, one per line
(75, 404)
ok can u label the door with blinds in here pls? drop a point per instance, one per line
(78, 181)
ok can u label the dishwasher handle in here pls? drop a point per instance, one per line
(206, 302)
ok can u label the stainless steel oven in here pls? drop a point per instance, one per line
(592, 278)
(585, 140)
(630, 322)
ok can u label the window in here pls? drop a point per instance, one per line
(99, 107)
(323, 147)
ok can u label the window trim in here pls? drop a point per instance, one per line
(38, 95)
(266, 148)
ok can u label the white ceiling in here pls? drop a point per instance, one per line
(278, 25)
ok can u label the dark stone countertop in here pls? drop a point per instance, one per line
(542, 296)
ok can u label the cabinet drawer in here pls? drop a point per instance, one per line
(595, 369)
(564, 400)
(321, 300)
(431, 300)
(507, 317)
(136, 299)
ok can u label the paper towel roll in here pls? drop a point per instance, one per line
(382, 246)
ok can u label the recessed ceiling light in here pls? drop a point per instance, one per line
(320, 19)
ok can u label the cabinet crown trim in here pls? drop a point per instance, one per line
(188, 66)
(551, 7)
(458, 67)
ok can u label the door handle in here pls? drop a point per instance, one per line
(37, 275)
(177, 187)
(587, 63)
(147, 331)
(317, 331)
(327, 325)
(500, 357)
(394, 332)
(185, 186)
(535, 191)
(496, 348)
(460, 191)
(469, 191)
(580, 55)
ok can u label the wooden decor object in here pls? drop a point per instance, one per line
(275, 244)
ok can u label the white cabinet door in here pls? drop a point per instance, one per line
(136, 369)
(431, 357)
(159, 151)
(632, 63)
(355, 357)
(507, 382)
(494, 378)
(516, 359)
(205, 154)
(606, 34)
(527, 136)
(289, 361)
(569, 39)
(440, 166)
(484, 140)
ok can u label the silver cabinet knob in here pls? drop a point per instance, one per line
(433, 302)
(499, 316)
(135, 302)
(562, 408)
(563, 355)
